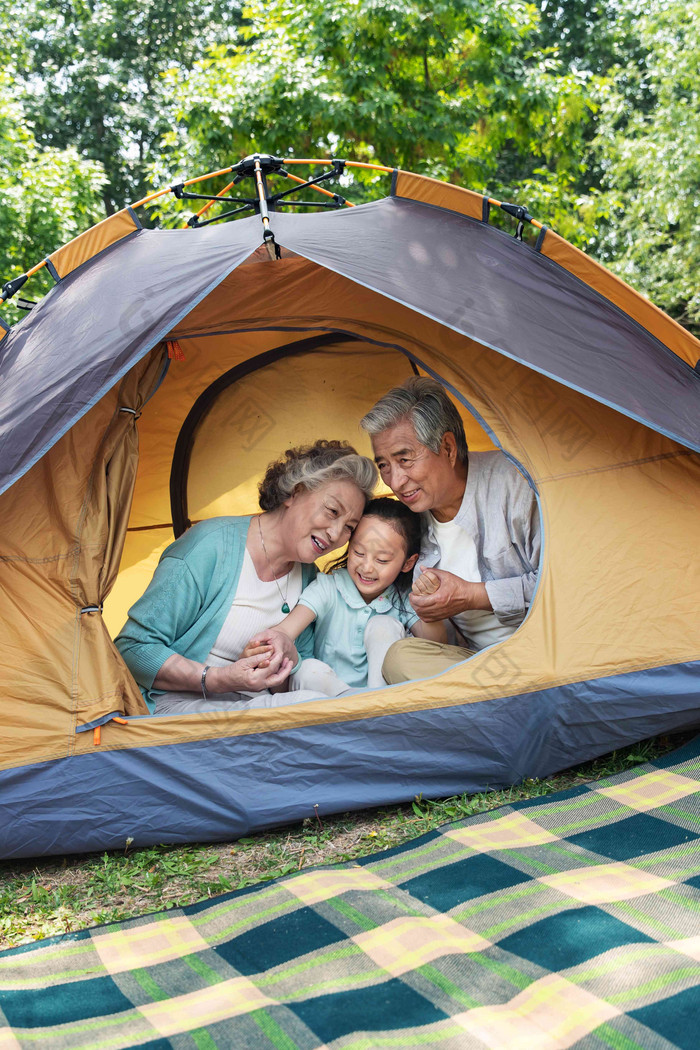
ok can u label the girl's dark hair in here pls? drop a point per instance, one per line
(408, 526)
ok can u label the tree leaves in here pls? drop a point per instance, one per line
(451, 90)
(47, 196)
(587, 111)
(91, 74)
(652, 162)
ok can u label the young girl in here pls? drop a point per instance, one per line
(361, 605)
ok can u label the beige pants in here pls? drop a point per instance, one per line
(414, 658)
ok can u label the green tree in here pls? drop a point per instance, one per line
(47, 196)
(585, 110)
(651, 160)
(451, 90)
(586, 34)
(91, 72)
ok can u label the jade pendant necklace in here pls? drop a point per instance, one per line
(285, 603)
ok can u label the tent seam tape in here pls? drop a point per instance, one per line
(618, 466)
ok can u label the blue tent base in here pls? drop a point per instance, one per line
(214, 790)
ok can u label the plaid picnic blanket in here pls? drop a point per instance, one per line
(572, 922)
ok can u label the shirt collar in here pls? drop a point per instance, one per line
(344, 582)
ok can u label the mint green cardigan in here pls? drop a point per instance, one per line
(184, 606)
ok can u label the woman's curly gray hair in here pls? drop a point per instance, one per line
(313, 466)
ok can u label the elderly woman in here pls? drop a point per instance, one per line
(228, 579)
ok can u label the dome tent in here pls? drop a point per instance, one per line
(166, 367)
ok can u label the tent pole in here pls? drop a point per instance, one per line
(268, 235)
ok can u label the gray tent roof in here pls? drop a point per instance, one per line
(96, 323)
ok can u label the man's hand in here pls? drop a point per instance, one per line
(438, 595)
(250, 674)
(271, 643)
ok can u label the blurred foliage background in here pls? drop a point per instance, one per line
(587, 111)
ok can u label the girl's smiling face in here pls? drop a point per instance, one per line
(376, 556)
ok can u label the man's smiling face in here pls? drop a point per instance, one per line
(418, 477)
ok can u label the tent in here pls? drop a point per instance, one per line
(165, 368)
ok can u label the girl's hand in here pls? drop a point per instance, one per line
(427, 583)
(271, 643)
(256, 650)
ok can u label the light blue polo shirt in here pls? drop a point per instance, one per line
(341, 617)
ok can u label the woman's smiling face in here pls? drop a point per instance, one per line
(321, 520)
(376, 556)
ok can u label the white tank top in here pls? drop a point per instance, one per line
(256, 607)
(458, 556)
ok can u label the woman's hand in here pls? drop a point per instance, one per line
(250, 674)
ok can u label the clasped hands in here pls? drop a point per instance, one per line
(439, 595)
(254, 671)
(274, 650)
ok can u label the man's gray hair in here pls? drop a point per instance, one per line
(424, 402)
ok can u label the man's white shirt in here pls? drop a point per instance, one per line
(458, 556)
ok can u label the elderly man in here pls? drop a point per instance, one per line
(481, 527)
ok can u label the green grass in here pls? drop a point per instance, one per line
(40, 898)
